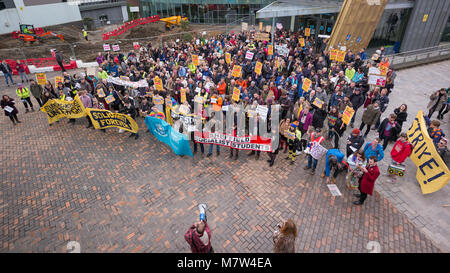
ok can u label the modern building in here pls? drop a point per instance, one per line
(98, 13)
(40, 13)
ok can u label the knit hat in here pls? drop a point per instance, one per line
(356, 131)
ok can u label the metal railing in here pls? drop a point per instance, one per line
(419, 56)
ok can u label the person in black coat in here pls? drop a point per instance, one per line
(130, 110)
(319, 117)
(338, 129)
(357, 100)
(7, 103)
(389, 130)
(59, 60)
(354, 142)
(401, 114)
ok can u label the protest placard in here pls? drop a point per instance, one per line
(270, 49)
(301, 41)
(136, 45)
(340, 56)
(110, 99)
(282, 50)
(195, 60)
(236, 94)
(41, 78)
(307, 32)
(249, 55)
(262, 36)
(183, 95)
(244, 26)
(306, 84)
(258, 68)
(262, 110)
(236, 71)
(318, 102)
(158, 83)
(228, 58)
(101, 93)
(347, 115)
(334, 190)
(106, 47)
(58, 79)
(116, 48)
(333, 54)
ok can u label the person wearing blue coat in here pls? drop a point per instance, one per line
(374, 149)
(334, 159)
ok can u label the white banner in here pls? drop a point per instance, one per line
(118, 81)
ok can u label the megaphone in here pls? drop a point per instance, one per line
(202, 208)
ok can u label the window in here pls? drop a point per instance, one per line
(2, 5)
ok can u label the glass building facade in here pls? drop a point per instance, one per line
(201, 11)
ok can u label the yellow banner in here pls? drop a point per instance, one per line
(102, 119)
(432, 172)
(57, 109)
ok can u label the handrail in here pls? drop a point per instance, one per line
(419, 56)
(421, 50)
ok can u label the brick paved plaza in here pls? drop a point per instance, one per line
(112, 193)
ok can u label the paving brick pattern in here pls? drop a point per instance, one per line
(112, 193)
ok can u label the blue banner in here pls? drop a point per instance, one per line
(165, 133)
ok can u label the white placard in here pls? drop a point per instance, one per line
(197, 90)
(374, 76)
(317, 151)
(225, 108)
(334, 190)
(116, 47)
(213, 100)
(282, 50)
(134, 9)
(280, 26)
(262, 110)
(106, 47)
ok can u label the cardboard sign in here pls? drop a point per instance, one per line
(270, 49)
(106, 47)
(58, 79)
(249, 55)
(333, 54)
(302, 42)
(383, 70)
(236, 94)
(306, 84)
(236, 71)
(347, 115)
(136, 45)
(183, 95)
(101, 93)
(307, 32)
(41, 79)
(195, 60)
(262, 36)
(158, 83)
(244, 26)
(110, 99)
(228, 58)
(317, 151)
(318, 102)
(340, 56)
(116, 47)
(258, 68)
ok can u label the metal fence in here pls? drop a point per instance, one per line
(420, 56)
(87, 51)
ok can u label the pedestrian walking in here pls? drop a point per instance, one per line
(6, 69)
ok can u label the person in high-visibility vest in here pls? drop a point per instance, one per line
(85, 34)
(24, 94)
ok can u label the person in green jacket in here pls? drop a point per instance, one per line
(350, 72)
(293, 135)
(85, 34)
(102, 74)
(24, 94)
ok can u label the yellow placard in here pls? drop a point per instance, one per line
(301, 41)
(41, 79)
(101, 93)
(270, 49)
(333, 54)
(268, 28)
(236, 71)
(383, 70)
(158, 83)
(425, 18)
(57, 109)
(110, 99)
(347, 115)
(183, 95)
(432, 172)
(260, 26)
(228, 58)
(158, 100)
(340, 56)
(258, 68)
(102, 119)
(58, 79)
(300, 107)
(306, 84)
(236, 94)
(195, 60)
(168, 103)
(307, 31)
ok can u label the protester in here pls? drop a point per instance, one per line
(6, 69)
(316, 138)
(389, 130)
(354, 142)
(437, 100)
(284, 237)
(374, 148)
(293, 136)
(334, 160)
(24, 94)
(401, 114)
(367, 182)
(370, 117)
(442, 149)
(131, 111)
(37, 91)
(8, 105)
(435, 132)
(20, 67)
(446, 107)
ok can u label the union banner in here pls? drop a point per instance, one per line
(102, 119)
(56, 109)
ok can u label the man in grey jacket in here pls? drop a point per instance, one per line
(37, 91)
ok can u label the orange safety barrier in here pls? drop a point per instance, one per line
(129, 25)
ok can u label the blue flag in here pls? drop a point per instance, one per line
(165, 133)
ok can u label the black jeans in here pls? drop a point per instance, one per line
(202, 148)
(39, 101)
(25, 100)
(363, 195)
(336, 140)
(385, 141)
(13, 117)
(62, 66)
(361, 127)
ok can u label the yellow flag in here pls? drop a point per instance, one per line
(57, 109)
(432, 172)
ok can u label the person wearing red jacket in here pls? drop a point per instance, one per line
(401, 150)
(367, 181)
(198, 237)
